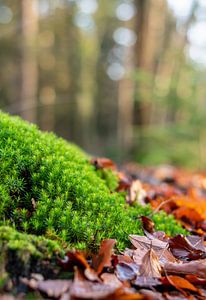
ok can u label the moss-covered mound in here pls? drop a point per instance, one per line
(48, 187)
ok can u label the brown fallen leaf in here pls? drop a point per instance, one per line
(196, 280)
(197, 267)
(85, 289)
(150, 266)
(183, 249)
(148, 224)
(103, 259)
(144, 242)
(73, 258)
(179, 283)
(124, 182)
(103, 163)
(126, 294)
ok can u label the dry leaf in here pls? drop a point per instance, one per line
(142, 242)
(182, 248)
(148, 224)
(103, 259)
(126, 271)
(150, 265)
(197, 267)
(179, 283)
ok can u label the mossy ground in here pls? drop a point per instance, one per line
(48, 187)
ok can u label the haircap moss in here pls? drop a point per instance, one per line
(48, 187)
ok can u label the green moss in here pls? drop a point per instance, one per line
(26, 245)
(109, 177)
(48, 187)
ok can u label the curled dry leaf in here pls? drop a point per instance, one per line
(103, 259)
(150, 266)
(74, 258)
(148, 224)
(197, 267)
(183, 249)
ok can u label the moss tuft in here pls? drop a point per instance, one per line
(48, 187)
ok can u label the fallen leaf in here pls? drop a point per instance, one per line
(126, 271)
(124, 182)
(197, 267)
(103, 163)
(148, 224)
(73, 258)
(103, 259)
(150, 265)
(84, 289)
(182, 248)
(136, 193)
(196, 280)
(111, 279)
(142, 281)
(179, 283)
(188, 215)
(144, 242)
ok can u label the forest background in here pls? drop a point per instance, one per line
(121, 78)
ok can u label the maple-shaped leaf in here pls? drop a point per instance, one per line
(182, 248)
(103, 259)
(150, 266)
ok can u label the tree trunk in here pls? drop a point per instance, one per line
(28, 60)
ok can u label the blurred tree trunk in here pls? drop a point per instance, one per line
(28, 60)
(150, 29)
(126, 105)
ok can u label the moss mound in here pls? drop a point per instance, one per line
(48, 187)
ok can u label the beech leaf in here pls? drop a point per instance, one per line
(150, 265)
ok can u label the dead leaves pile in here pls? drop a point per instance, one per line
(156, 267)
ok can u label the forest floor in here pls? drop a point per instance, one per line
(156, 266)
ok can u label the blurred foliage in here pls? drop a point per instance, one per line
(116, 77)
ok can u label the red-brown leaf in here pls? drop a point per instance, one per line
(183, 249)
(103, 259)
(103, 163)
